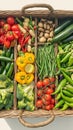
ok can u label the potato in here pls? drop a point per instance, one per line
(51, 34)
(46, 35)
(43, 20)
(40, 24)
(32, 33)
(51, 29)
(47, 31)
(41, 34)
(49, 39)
(41, 29)
(45, 25)
(48, 26)
(42, 39)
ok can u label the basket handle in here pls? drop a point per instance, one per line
(40, 124)
(49, 7)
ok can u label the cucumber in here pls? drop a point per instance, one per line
(61, 27)
(8, 65)
(6, 59)
(70, 38)
(8, 53)
(64, 34)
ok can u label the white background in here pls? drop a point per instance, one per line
(59, 123)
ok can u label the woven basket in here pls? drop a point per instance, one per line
(50, 115)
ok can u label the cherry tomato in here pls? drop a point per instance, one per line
(49, 91)
(1, 31)
(39, 93)
(48, 107)
(52, 86)
(46, 82)
(15, 27)
(52, 101)
(44, 101)
(39, 84)
(7, 27)
(10, 20)
(52, 106)
(10, 36)
(39, 103)
(7, 43)
(52, 79)
(47, 97)
(2, 22)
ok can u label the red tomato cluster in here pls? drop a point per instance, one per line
(9, 31)
(44, 90)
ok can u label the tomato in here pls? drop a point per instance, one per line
(7, 27)
(44, 101)
(52, 86)
(46, 82)
(1, 31)
(48, 107)
(52, 106)
(10, 20)
(10, 36)
(52, 79)
(49, 91)
(2, 38)
(7, 43)
(52, 101)
(39, 103)
(39, 84)
(15, 27)
(17, 34)
(39, 93)
(47, 97)
(2, 22)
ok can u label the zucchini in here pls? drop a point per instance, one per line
(8, 53)
(70, 38)
(61, 27)
(64, 34)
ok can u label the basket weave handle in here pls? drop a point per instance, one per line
(40, 124)
(49, 7)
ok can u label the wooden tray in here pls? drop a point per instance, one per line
(49, 13)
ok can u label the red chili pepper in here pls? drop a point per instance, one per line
(26, 40)
(21, 40)
(24, 49)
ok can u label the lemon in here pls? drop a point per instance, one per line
(29, 68)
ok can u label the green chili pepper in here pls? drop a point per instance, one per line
(69, 88)
(61, 85)
(67, 78)
(70, 62)
(58, 60)
(69, 104)
(61, 51)
(65, 106)
(66, 58)
(58, 96)
(65, 98)
(67, 93)
(59, 104)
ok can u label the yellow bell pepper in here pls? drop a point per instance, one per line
(21, 62)
(29, 78)
(20, 77)
(30, 57)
